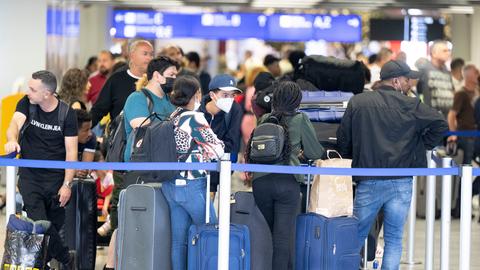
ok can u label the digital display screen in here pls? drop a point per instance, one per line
(152, 24)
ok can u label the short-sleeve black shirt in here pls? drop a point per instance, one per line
(44, 139)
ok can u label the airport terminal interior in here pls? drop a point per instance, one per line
(85, 42)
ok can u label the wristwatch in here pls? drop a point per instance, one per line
(68, 184)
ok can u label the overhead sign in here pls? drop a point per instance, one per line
(151, 24)
(63, 22)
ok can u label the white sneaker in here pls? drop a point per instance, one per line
(105, 228)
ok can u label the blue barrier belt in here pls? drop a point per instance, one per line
(463, 133)
(476, 171)
(143, 166)
(152, 166)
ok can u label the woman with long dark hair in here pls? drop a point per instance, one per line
(278, 195)
(195, 142)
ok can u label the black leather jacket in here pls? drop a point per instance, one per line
(386, 129)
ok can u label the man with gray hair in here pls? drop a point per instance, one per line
(435, 83)
(121, 84)
(43, 127)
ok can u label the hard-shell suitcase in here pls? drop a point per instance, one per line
(144, 230)
(332, 97)
(328, 115)
(203, 247)
(80, 228)
(323, 243)
(243, 210)
(203, 244)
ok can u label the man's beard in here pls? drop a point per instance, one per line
(103, 71)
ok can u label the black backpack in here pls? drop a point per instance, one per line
(155, 143)
(268, 142)
(117, 136)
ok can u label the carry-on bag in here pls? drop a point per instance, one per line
(332, 195)
(323, 243)
(80, 229)
(25, 244)
(243, 210)
(203, 244)
(144, 230)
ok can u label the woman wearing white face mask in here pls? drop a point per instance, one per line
(195, 142)
(224, 116)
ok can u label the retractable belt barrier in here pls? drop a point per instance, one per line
(224, 166)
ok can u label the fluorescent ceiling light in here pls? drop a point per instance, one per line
(284, 3)
(458, 10)
(414, 12)
(216, 1)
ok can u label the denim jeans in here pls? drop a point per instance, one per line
(278, 197)
(394, 197)
(187, 207)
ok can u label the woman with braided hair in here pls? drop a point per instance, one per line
(278, 195)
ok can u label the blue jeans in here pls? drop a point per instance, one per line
(187, 207)
(394, 197)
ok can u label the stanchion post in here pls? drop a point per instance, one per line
(11, 189)
(365, 254)
(465, 217)
(412, 219)
(224, 212)
(430, 215)
(446, 216)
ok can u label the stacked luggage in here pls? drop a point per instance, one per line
(329, 83)
(325, 110)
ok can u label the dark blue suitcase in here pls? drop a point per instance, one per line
(323, 243)
(326, 243)
(203, 244)
(203, 247)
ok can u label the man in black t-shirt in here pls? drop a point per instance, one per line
(47, 129)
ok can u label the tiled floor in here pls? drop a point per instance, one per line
(419, 242)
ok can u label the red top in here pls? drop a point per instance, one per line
(97, 83)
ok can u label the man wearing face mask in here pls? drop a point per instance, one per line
(224, 116)
(386, 128)
(157, 83)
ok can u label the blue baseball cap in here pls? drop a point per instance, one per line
(223, 82)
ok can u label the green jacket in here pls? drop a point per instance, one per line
(302, 137)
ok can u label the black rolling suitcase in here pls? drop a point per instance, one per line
(244, 211)
(80, 228)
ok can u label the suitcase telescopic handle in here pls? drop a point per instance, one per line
(309, 181)
(207, 200)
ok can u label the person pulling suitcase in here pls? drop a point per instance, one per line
(195, 142)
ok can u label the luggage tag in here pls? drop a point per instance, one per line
(180, 182)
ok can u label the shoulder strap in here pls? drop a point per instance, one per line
(228, 118)
(149, 100)
(63, 109)
(32, 110)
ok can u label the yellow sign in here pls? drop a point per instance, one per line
(7, 107)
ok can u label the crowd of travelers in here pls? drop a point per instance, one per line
(400, 114)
